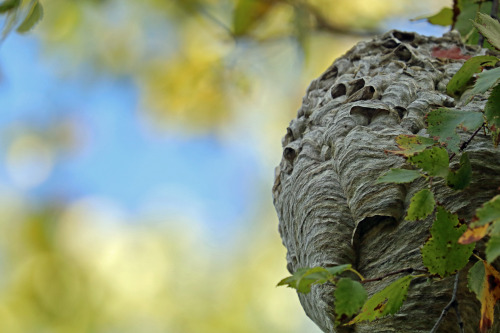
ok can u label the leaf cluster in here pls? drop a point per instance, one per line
(20, 16)
(451, 243)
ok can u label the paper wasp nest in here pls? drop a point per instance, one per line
(331, 212)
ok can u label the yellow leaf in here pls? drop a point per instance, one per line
(490, 294)
(474, 234)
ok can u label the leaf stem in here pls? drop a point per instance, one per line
(452, 304)
(466, 143)
(357, 273)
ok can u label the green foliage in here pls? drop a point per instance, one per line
(411, 144)
(489, 28)
(444, 17)
(247, 14)
(421, 205)
(492, 114)
(443, 122)
(9, 5)
(385, 302)
(399, 176)
(475, 278)
(460, 179)
(461, 80)
(303, 278)
(349, 296)
(489, 212)
(485, 80)
(493, 247)
(442, 254)
(35, 14)
(433, 161)
(467, 11)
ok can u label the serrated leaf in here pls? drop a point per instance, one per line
(34, 16)
(489, 212)
(443, 18)
(399, 176)
(492, 114)
(421, 205)
(433, 161)
(484, 281)
(460, 179)
(489, 28)
(7, 5)
(411, 144)
(493, 248)
(349, 298)
(467, 10)
(303, 278)
(336, 270)
(485, 80)
(473, 234)
(460, 81)
(442, 254)
(385, 302)
(442, 123)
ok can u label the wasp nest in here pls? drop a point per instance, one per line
(330, 209)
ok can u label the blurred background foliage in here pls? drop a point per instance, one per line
(223, 73)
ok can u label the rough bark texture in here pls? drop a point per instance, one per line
(331, 212)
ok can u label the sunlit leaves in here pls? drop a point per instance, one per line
(486, 80)
(35, 14)
(303, 278)
(459, 82)
(421, 205)
(444, 17)
(443, 122)
(489, 212)
(247, 13)
(433, 161)
(399, 176)
(489, 28)
(349, 298)
(411, 144)
(442, 254)
(492, 114)
(484, 281)
(385, 302)
(7, 5)
(460, 179)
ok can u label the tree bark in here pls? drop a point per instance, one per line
(331, 212)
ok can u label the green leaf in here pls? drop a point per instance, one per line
(493, 248)
(9, 5)
(399, 176)
(336, 270)
(411, 144)
(247, 14)
(349, 298)
(442, 123)
(303, 278)
(486, 80)
(460, 179)
(34, 16)
(489, 212)
(476, 278)
(489, 28)
(421, 205)
(444, 17)
(460, 81)
(434, 161)
(442, 254)
(492, 114)
(385, 302)
(468, 10)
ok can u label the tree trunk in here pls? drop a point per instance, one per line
(331, 212)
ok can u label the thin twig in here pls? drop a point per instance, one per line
(452, 304)
(466, 143)
(408, 270)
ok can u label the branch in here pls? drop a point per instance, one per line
(408, 270)
(452, 304)
(466, 143)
